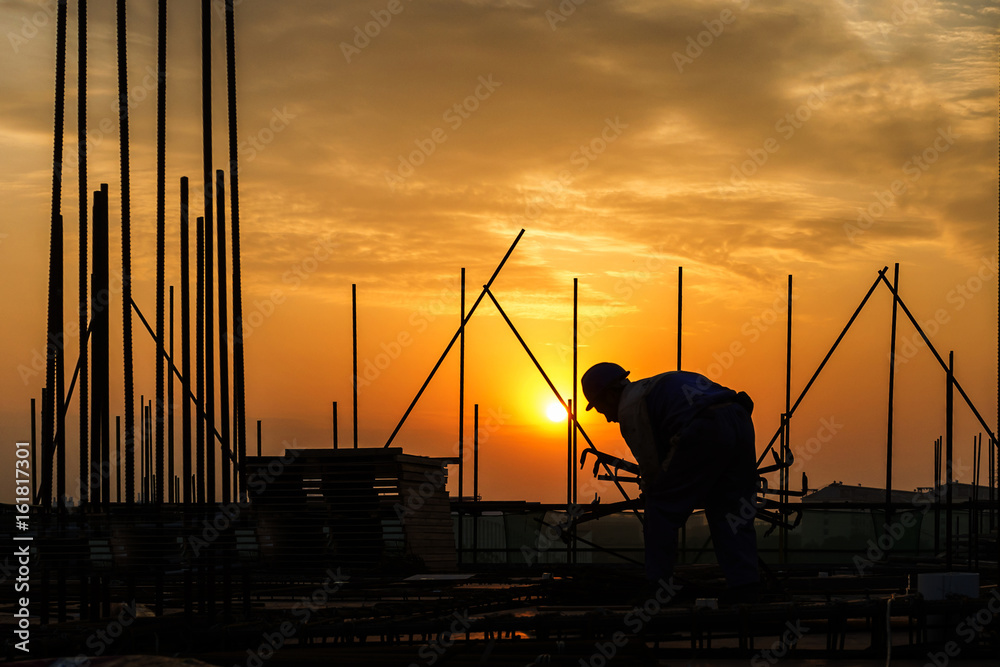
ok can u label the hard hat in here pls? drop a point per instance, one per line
(598, 378)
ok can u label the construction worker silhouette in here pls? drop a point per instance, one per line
(694, 442)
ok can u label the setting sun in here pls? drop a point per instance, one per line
(555, 412)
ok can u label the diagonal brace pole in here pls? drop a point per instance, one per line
(180, 377)
(590, 444)
(454, 338)
(788, 415)
(941, 361)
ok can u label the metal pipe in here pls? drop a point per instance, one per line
(545, 376)
(680, 311)
(239, 371)
(447, 349)
(258, 437)
(335, 429)
(200, 355)
(123, 94)
(461, 395)
(209, 399)
(223, 339)
(170, 406)
(787, 438)
(475, 482)
(118, 457)
(101, 345)
(822, 364)
(576, 382)
(60, 395)
(44, 496)
(892, 380)
(944, 366)
(354, 339)
(84, 277)
(569, 455)
(161, 194)
(949, 446)
(34, 453)
(185, 343)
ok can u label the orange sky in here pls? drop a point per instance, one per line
(744, 141)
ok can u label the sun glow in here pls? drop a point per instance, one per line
(555, 412)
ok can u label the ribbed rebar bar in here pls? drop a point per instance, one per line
(161, 195)
(200, 355)
(126, 257)
(185, 343)
(84, 277)
(239, 370)
(223, 337)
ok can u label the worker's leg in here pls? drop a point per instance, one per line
(682, 487)
(730, 509)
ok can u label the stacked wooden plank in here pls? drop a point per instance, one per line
(356, 508)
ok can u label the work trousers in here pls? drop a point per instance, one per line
(714, 466)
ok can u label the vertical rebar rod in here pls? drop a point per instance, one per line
(258, 437)
(170, 404)
(210, 442)
(892, 382)
(223, 338)
(161, 193)
(461, 415)
(142, 448)
(569, 454)
(200, 356)
(335, 429)
(787, 439)
(55, 334)
(680, 311)
(937, 495)
(949, 447)
(101, 345)
(576, 382)
(185, 241)
(118, 458)
(84, 276)
(571, 545)
(239, 368)
(461, 392)
(44, 496)
(60, 395)
(34, 452)
(354, 338)
(475, 482)
(123, 94)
